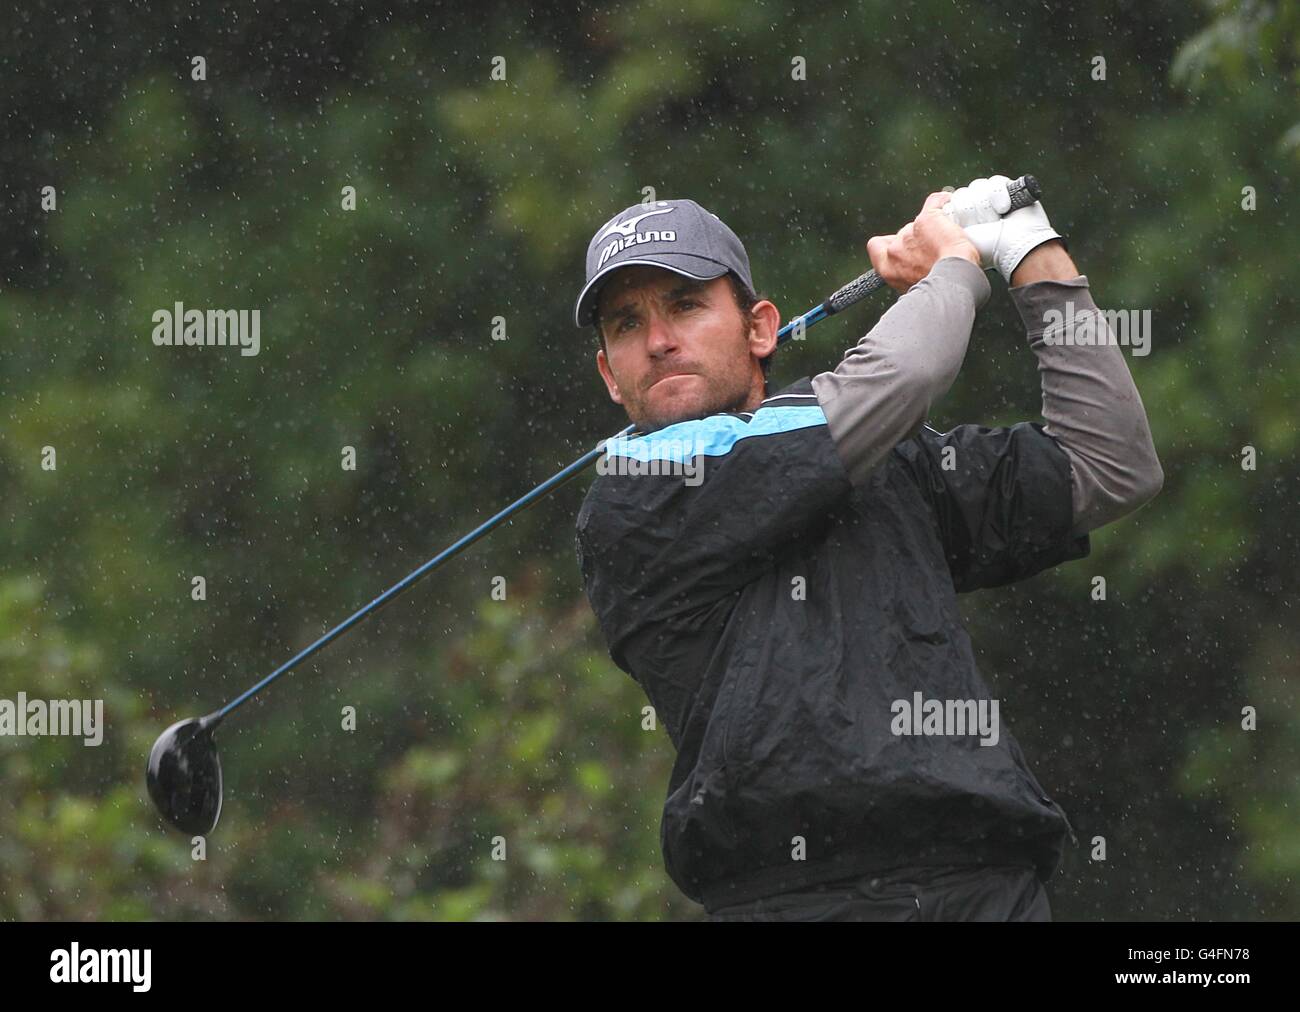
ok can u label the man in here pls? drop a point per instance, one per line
(788, 604)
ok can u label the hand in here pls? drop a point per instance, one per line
(984, 200)
(1005, 242)
(906, 257)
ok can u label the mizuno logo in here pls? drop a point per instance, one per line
(620, 244)
(626, 228)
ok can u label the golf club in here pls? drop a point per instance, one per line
(183, 773)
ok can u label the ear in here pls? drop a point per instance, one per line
(767, 321)
(602, 363)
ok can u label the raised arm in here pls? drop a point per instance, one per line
(882, 390)
(1090, 403)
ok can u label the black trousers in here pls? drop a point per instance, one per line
(972, 893)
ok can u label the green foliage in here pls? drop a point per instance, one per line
(481, 720)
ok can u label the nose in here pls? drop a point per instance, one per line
(661, 337)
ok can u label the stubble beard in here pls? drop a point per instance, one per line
(720, 397)
(717, 399)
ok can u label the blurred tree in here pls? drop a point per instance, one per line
(475, 198)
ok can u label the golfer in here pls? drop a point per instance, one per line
(778, 569)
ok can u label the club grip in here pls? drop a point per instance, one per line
(857, 289)
(1023, 192)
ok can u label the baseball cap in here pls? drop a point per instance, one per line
(678, 235)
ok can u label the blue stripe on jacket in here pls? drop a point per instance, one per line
(713, 436)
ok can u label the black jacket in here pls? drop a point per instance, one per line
(774, 614)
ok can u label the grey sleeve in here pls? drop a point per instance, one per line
(882, 390)
(1090, 404)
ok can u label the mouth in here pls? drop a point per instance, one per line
(671, 375)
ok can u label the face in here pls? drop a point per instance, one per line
(677, 348)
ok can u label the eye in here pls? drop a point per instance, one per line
(686, 304)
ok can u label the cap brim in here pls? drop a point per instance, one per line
(685, 264)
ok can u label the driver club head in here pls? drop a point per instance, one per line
(184, 775)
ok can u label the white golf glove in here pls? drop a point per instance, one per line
(1002, 241)
(985, 200)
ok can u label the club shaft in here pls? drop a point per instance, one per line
(451, 551)
(442, 557)
(1024, 191)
